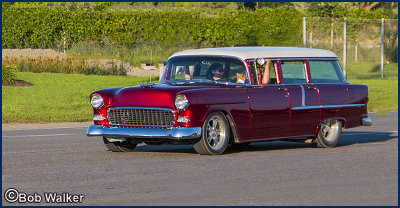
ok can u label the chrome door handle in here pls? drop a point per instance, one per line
(282, 89)
(311, 88)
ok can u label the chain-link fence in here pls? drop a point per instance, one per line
(354, 40)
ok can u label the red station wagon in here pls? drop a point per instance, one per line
(236, 95)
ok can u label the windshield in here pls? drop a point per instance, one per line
(206, 69)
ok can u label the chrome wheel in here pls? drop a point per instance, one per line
(329, 130)
(329, 133)
(215, 133)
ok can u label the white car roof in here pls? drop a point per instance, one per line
(259, 52)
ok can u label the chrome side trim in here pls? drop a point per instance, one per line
(327, 106)
(170, 133)
(303, 96)
(306, 107)
(366, 121)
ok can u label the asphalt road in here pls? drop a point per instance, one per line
(361, 170)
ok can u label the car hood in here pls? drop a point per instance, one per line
(149, 95)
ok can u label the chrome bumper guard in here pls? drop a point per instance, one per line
(366, 121)
(172, 133)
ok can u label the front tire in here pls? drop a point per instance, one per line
(126, 146)
(215, 135)
(328, 134)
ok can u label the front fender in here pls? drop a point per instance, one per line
(233, 102)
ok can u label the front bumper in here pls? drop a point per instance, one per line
(172, 133)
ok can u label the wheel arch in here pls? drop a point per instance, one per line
(342, 119)
(234, 138)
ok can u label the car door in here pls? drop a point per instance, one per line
(305, 107)
(269, 110)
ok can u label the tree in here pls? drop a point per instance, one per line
(247, 5)
(326, 9)
(368, 6)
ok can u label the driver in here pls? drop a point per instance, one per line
(216, 71)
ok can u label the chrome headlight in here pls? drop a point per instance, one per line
(181, 102)
(96, 101)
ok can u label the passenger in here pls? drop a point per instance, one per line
(264, 79)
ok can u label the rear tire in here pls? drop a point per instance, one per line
(328, 134)
(215, 135)
(126, 146)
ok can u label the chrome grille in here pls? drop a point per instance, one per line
(141, 117)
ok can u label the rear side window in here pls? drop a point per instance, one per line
(326, 72)
(293, 72)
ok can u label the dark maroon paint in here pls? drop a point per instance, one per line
(257, 112)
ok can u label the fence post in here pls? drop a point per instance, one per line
(356, 55)
(332, 33)
(344, 45)
(382, 47)
(304, 32)
(64, 41)
(310, 39)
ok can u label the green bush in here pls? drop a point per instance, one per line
(8, 74)
(100, 71)
(37, 26)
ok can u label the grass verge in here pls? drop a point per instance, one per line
(383, 94)
(57, 97)
(372, 70)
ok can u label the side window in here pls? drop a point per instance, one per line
(180, 72)
(326, 72)
(293, 72)
(253, 73)
(237, 72)
(272, 74)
